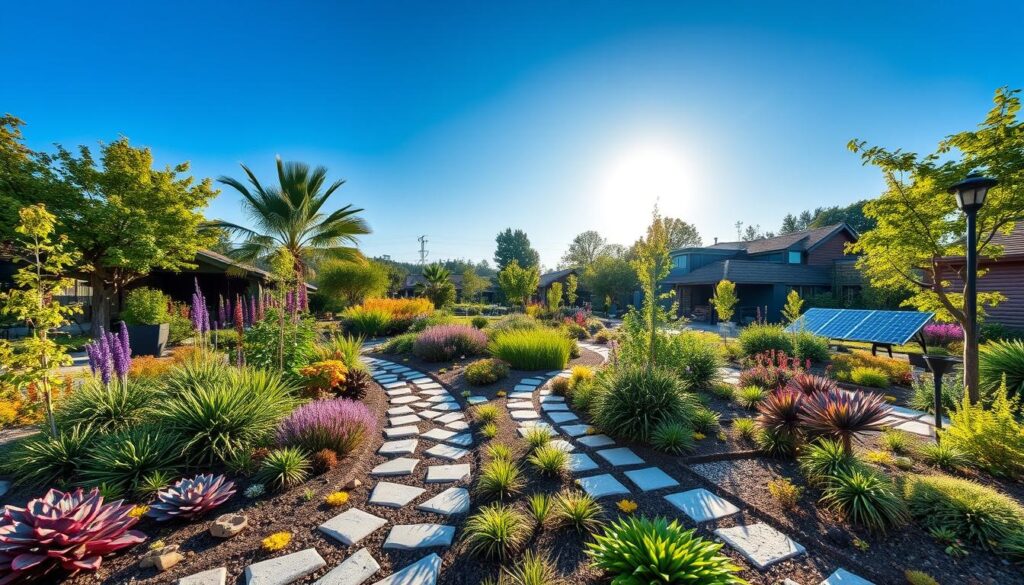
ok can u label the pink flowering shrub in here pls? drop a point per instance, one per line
(942, 334)
(771, 370)
(339, 425)
(443, 343)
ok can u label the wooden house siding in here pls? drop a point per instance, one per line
(828, 251)
(1005, 275)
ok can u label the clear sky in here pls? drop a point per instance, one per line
(459, 119)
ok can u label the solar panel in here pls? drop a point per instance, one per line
(887, 327)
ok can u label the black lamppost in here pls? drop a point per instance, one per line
(970, 196)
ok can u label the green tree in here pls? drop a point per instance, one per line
(554, 297)
(26, 176)
(34, 303)
(438, 286)
(518, 283)
(681, 234)
(344, 284)
(610, 277)
(794, 306)
(472, 284)
(652, 265)
(123, 217)
(583, 250)
(571, 284)
(725, 300)
(515, 245)
(291, 215)
(919, 227)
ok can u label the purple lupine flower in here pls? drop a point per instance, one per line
(303, 298)
(100, 358)
(90, 351)
(200, 314)
(121, 359)
(289, 302)
(340, 425)
(255, 312)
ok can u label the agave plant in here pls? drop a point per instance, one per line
(780, 413)
(72, 531)
(843, 415)
(356, 383)
(811, 384)
(189, 498)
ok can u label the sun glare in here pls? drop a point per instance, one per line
(637, 178)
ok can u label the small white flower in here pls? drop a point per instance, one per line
(255, 490)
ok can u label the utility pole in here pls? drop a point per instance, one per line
(423, 249)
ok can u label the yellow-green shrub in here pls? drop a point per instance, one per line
(992, 439)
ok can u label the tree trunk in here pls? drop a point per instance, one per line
(971, 378)
(100, 304)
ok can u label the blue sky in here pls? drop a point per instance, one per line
(459, 119)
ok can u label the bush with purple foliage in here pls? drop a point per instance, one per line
(339, 425)
(446, 342)
(942, 334)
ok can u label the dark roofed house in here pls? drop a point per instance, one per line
(549, 278)
(1004, 274)
(764, 271)
(413, 282)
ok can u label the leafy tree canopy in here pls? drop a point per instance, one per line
(583, 250)
(344, 284)
(515, 245)
(518, 283)
(852, 215)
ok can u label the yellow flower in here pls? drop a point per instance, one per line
(336, 499)
(592, 431)
(627, 506)
(698, 436)
(890, 399)
(501, 394)
(276, 541)
(139, 511)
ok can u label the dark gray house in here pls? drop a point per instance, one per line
(810, 261)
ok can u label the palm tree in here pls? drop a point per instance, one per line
(288, 216)
(438, 286)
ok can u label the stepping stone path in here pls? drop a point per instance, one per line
(760, 544)
(212, 577)
(419, 408)
(651, 478)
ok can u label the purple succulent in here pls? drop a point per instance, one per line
(339, 425)
(71, 531)
(189, 498)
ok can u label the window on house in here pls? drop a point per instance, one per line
(682, 262)
(795, 257)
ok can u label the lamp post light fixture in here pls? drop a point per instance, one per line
(970, 196)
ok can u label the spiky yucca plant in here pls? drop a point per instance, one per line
(640, 551)
(843, 415)
(71, 531)
(811, 384)
(189, 498)
(780, 414)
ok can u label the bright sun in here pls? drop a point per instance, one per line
(639, 177)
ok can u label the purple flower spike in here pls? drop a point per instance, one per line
(340, 425)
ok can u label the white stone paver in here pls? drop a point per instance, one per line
(562, 417)
(476, 400)
(701, 505)
(421, 404)
(405, 399)
(405, 419)
(421, 380)
(461, 440)
(562, 445)
(392, 385)
(433, 391)
(520, 405)
(396, 392)
(620, 456)
(451, 417)
(398, 466)
(354, 570)
(554, 407)
(446, 407)
(451, 501)
(523, 415)
(651, 478)
(447, 473)
(430, 414)
(532, 381)
(401, 432)
(394, 495)
(760, 544)
(351, 526)
(916, 427)
(594, 441)
(843, 577)
(575, 430)
(422, 572)
(284, 569)
(580, 462)
(600, 486)
(400, 410)
(459, 425)
(447, 452)
(216, 576)
(521, 395)
(524, 388)
(399, 447)
(412, 536)
(438, 434)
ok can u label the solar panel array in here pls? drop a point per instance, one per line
(888, 327)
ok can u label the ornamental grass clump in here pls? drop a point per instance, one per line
(992, 438)
(639, 550)
(672, 437)
(443, 343)
(283, 468)
(72, 531)
(122, 460)
(550, 460)
(866, 498)
(42, 459)
(499, 478)
(340, 425)
(824, 459)
(633, 401)
(1002, 362)
(532, 349)
(497, 531)
(191, 497)
(531, 569)
(578, 509)
(973, 512)
(369, 322)
(750, 396)
(107, 407)
(485, 371)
